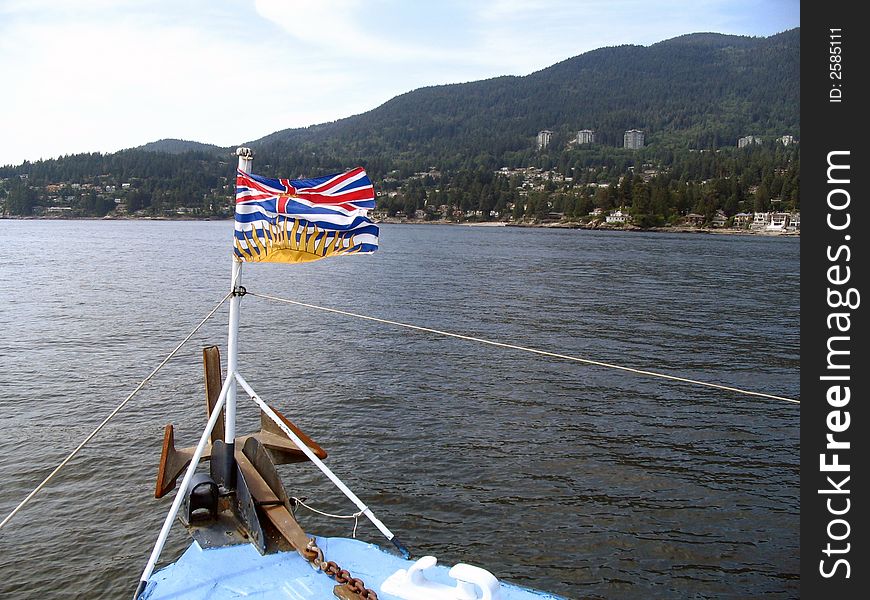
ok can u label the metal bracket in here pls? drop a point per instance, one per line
(202, 495)
(222, 467)
(247, 511)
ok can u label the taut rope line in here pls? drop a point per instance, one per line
(112, 414)
(524, 349)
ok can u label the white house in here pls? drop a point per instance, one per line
(760, 220)
(616, 216)
(778, 221)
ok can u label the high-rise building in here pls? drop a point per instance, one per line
(585, 136)
(787, 140)
(747, 140)
(544, 138)
(633, 139)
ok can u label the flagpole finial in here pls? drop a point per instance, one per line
(246, 157)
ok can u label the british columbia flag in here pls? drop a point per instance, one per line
(299, 220)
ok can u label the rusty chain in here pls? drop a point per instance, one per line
(356, 586)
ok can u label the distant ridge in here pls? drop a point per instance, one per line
(710, 38)
(693, 92)
(175, 146)
(698, 90)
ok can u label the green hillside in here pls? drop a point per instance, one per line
(693, 96)
(695, 91)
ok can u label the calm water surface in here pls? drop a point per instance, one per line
(578, 480)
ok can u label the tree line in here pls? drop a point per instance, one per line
(760, 178)
(694, 96)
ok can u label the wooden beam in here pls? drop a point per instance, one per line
(211, 362)
(173, 462)
(271, 506)
(267, 425)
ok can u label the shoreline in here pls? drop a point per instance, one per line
(627, 229)
(553, 225)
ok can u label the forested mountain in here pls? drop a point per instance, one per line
(694, 91)
(173, 146)
(693, 96)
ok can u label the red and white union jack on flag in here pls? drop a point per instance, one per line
(299, 220)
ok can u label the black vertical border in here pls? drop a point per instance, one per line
(825, 127)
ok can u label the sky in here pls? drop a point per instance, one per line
(103, 75)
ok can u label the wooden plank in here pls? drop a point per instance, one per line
(166, 472)
(173, 462)
(260, 490)
(211, 363)
(271, 505)
(287, 526)
(267, 425)
(282, 450)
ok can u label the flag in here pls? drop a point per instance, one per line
(299, 220)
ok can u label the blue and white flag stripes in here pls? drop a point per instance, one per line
(299, 220)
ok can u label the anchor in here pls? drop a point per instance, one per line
(173, 461)
(255, 508)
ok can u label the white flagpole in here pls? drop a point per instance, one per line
(246, 156)
(182, 489)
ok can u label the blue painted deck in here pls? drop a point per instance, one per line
(241, 572)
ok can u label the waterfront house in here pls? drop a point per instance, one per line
(694, 219)
(760, 220)
(743, 220)
(617, 216)
(778, 221)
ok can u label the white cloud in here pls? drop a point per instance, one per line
(333, 25)
(105, 86)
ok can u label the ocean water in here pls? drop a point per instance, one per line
(575, 479)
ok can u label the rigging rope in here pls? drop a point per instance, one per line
(355, 516)
(299, 501)
(112, 414)
(524, 349)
